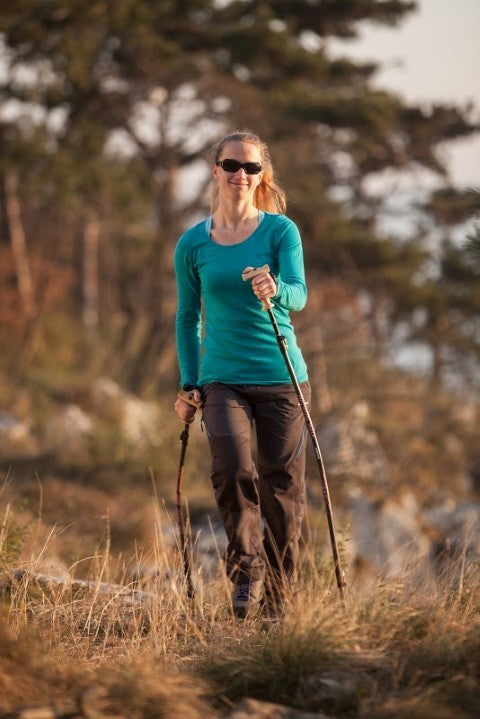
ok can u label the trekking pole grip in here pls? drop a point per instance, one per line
(249, 273)
(189, 397)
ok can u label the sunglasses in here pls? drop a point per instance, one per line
(251, 168)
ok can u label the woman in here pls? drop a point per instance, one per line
(238, 371)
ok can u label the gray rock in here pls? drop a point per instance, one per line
(16, 438)
(457, 526)
(138, 421)
(254, 709)
(210, 545)
(387, 535)
(69, 434)
(353, 451)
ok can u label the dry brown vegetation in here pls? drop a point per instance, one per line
(114, 634)
(139, 648)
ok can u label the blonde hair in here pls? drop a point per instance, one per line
(269, 196)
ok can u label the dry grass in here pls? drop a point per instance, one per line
(143, 649)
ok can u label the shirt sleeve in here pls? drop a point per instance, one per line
(188, 321)
(291, 286)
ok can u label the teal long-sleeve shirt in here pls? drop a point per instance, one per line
(222, 333)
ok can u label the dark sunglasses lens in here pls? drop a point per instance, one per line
(231, 165)
(251, 168)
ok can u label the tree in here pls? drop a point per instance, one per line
(446, 303)
(472, 245)
(167, 78)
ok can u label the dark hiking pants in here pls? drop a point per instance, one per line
(261, 506)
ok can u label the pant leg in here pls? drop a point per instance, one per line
(281, 444)
(227, 416)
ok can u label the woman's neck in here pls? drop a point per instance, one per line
(232, 217)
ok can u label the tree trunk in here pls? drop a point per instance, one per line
(314, 349)
(321, 397)
(91, 240)
(19, 245)
(438, 364)
(154, 362)
(379, 323)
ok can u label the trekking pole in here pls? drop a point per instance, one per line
(184, 546)
(248, 274)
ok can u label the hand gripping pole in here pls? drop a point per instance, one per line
(184, 547)
(248, 274)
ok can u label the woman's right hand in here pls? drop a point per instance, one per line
(185, 410)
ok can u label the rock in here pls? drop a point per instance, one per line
(69, 435)
(352, 450)
(461, 519)
(330, 687)
(16, 438)
(458, 532)
(36, 713)
(210, 545)
(53, 566)
(141, 574)
(109, 421)
(138, 421)
(106, 399)
(254, 709)
(392, 536)
(342, 689)
(387, 536)
(126, 595)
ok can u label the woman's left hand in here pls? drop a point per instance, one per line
(264, 286)
(186, 410)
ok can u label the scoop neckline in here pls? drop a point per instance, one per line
(208, 226)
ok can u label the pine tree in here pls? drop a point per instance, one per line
(163, 80)
(472, 244)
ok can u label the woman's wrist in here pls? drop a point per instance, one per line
(274, 278)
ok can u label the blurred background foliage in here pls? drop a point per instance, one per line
(108, 112)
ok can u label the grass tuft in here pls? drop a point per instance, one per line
(137, 646)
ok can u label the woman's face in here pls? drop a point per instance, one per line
(238, 185)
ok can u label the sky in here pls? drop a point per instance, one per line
(432, 56)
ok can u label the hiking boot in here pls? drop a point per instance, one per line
(245, 597)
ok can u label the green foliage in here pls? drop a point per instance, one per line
(472, 245)
(472, 250)
(194, 69)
